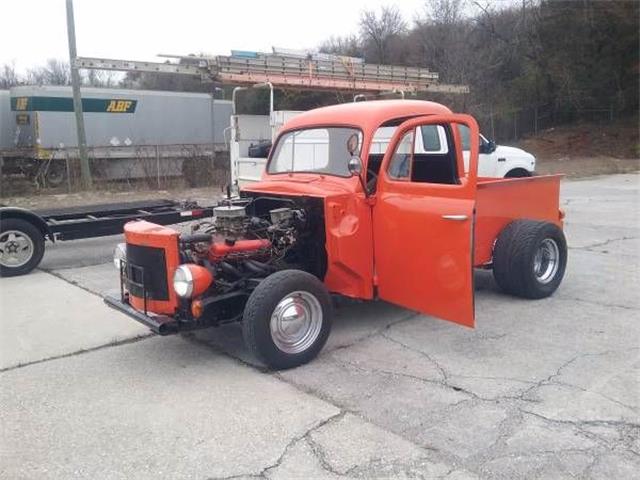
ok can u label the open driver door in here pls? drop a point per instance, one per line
(423, 219)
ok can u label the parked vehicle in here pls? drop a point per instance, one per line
(495, 161)
(23, 232)
(7, 122)
(127, 129)
(333, 216)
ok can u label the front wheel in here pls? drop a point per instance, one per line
(21, 247)
(287, 319)
(518, 173)
(530, 258)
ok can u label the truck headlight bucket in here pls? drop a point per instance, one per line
(191, 280)
(120, 255)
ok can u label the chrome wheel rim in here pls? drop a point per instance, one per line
(16, 248)
(296, 322)
(546, 261)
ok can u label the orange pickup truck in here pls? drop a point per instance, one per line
(334, 214)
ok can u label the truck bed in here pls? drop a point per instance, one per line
(501, 200)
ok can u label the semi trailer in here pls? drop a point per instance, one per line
(131, 133)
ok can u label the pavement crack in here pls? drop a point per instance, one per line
(548, 380)
(552, 379)
(581, 423)
(600, 304)
(441, 383)
(71, 282)
(434, 362)
(378, 331)
(602, 395)
(605, 242)
(294, 441)
(79, 352)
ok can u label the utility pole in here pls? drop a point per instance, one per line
(85, 170)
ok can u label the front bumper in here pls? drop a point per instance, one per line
(160, 324)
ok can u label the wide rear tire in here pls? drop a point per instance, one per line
(287, 319)
(530, 258)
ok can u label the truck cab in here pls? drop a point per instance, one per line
(338, 212)
(252, 136)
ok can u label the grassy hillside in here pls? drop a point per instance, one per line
(587, 148)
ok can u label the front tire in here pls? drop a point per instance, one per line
(21, 247)
(518, 173)
(287, 319)
(530, 258)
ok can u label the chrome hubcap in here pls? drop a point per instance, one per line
(16, 248)
(296, 322)
(546, 261)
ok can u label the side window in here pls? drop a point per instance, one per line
(464, 137)
(431, 138)
(400, 164)
(425, 155)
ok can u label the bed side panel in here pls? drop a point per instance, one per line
(500, 201)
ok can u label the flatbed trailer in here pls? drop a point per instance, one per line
(23, 232)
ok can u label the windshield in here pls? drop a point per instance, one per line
(316, 150)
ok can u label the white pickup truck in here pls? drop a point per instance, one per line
(248, 130)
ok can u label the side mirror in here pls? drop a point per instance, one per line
(355, 166)
(491, 146)
(355, 169)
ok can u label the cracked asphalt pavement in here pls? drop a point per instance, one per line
(540, 389)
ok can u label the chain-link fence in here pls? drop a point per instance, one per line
(513, 124)
(119, 168)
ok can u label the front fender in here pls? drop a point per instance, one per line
(513, 164)
(29, 216)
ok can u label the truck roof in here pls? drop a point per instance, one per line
(368, 115)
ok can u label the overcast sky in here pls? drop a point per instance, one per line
(34, 30)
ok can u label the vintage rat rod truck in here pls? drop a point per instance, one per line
(337, 214)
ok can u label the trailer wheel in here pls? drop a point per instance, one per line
(530, 258)
(21, 247)
(287, 319)
(56, 174)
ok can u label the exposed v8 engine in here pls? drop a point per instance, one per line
(251, 238)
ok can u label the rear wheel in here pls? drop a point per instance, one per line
(21, 247)
(287, 319)
(530, 258)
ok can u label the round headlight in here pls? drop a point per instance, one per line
(183, 282)
(120, 255)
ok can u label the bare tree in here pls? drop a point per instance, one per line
(444, 12)
(54, 72)
(8, 76)
(379, 30)
(442, 40)
(101, 78)
(349, 46)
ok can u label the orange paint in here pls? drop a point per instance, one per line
(202, 279)
(411, 243)
(151, 235)
(398, 239)
(423, 260)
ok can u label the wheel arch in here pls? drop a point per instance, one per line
(517, 172)
(28, 216)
